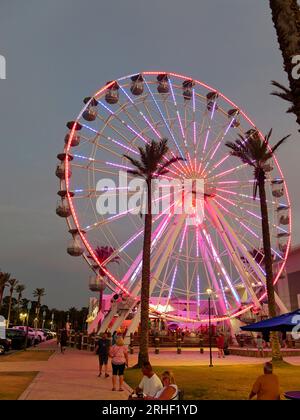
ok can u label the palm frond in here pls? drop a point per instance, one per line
(274, 148)
(135, 163)
(286, 94)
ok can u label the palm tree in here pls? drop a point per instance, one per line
(13, 284)
(4, 278)
(105, 255)
(255, 152)
(153, 163)
(19, 289)
(38, 293)
(286, 18)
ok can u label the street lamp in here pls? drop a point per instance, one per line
(23, 316)
(209, 292)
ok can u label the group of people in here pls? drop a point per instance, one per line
(151, 386)
(118, 352)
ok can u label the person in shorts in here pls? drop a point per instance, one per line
(119, 359)
(102, 349)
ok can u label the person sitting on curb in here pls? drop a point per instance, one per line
(266, 386)
(150, 384)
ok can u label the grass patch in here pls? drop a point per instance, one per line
(27, 356)
(221, 382)
(12, 384)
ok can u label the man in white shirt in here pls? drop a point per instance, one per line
(150, 384)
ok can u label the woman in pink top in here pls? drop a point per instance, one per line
(119, 356)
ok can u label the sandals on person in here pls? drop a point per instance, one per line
(106, 375)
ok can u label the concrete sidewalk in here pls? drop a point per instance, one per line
(68, 376)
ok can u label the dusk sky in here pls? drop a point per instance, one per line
(60, 51)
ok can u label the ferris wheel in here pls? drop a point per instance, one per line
(224, 251)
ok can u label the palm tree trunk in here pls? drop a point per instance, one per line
(18, 309)
(145, 286)
(9, 308)
(286, 18)
(100, 300)
(276, 353)
(1, 295)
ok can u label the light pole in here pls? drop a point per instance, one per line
(27, 320)
(44, 316)
(52, 321)
(209, 292)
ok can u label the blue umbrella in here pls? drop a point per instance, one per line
(285, 322)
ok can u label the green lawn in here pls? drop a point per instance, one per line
(27, 356)
(221, 382)
(12, 384)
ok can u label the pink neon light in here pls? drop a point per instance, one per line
(75, 219)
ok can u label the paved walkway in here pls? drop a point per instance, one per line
(69, 376)
(192, 357)
(73, 375)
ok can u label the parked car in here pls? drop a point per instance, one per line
(17, 338)
(49, 334)
(32, 333)
(5, 345)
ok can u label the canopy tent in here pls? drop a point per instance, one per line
(285, 322)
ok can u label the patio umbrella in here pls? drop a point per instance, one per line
(285, 322)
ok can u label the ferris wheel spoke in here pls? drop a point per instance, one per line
(211, 276)
(216, 145)
(230, 171)
(240, 267)
(164, 119)
(237, 217)
(150, 125)
(221, 266)
(172, 126)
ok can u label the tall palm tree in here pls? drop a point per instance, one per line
(13, 284)
(19, 289)
(4, 278)
(38, 293)
(286, 18)
(153, 164)
(105, 255)
(255, 152)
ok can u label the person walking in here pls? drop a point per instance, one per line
(102, 349)
(63, 340)
(220, 344)
(119, 359)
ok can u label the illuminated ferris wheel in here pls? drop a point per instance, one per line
(224, 252)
